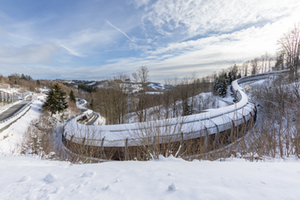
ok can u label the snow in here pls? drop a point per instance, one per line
(44, 90)
(115, 135)
(81, 104)
(6, 107)
(154, 93)
(167, 178)
(28, 177)
(50, 178)
(10, 139)
(90, 84)
(173, 187)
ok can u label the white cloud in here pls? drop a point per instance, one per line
(38, 53)
(218, 16)
(139, 3)
(82, 43)
(172, 38)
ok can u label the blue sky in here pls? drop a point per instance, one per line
(97, 39)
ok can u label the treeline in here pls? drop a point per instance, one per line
(86, 88)
(23, 81)
(114, 99)
(262, 64)
(287, 57)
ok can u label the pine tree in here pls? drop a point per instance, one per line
(56, 100)
(220, 85)
(72, 97)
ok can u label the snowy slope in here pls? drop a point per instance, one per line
(23, 177)
(29, 178)
(11, 138)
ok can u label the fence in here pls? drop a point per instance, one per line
(10, 120)
(126, 141)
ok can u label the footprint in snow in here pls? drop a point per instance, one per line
(80, 186)
(108, 187)
(49, 197)
(25, 178)
(88, 174)
(59, 190)
(118, 180)
(50, 178)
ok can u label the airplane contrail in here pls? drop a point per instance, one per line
(119, 30)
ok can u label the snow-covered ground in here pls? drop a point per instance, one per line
(27, 177)
(203, 101)
(7, 106)
(10, 90)
(167, 178)
(11, 138)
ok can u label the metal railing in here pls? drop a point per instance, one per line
(8, 121)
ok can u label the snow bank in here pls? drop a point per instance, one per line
(11, 138)
(169, 178)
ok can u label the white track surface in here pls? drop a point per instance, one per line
(193, 125)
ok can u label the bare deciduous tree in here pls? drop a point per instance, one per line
(141, 76)
(290, 45)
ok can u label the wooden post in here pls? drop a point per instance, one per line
(102, 153)
(251, 122)
(206, 138)
(154, 145)
(255, 111)
(126, 149)
(232, 131)
(216, 137)
(181, 143)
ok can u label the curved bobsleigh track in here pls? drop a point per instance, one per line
(203, 132)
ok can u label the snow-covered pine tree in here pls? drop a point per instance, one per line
(56, 100)
(220, 85)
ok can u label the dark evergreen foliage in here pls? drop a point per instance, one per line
(72, 96)
(56, 100)
(220, 86)
(224, 79)
(86, 88)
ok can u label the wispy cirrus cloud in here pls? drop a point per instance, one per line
(213, 17)
(172, 38)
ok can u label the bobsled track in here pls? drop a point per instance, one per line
(184, 136)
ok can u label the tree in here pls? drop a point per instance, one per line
(279, 64)
(111, 100)
(220, 84)
(141, 76)
(290, 45)
(245, 67)
(254, 64)
(56, 100)
(72, 96)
